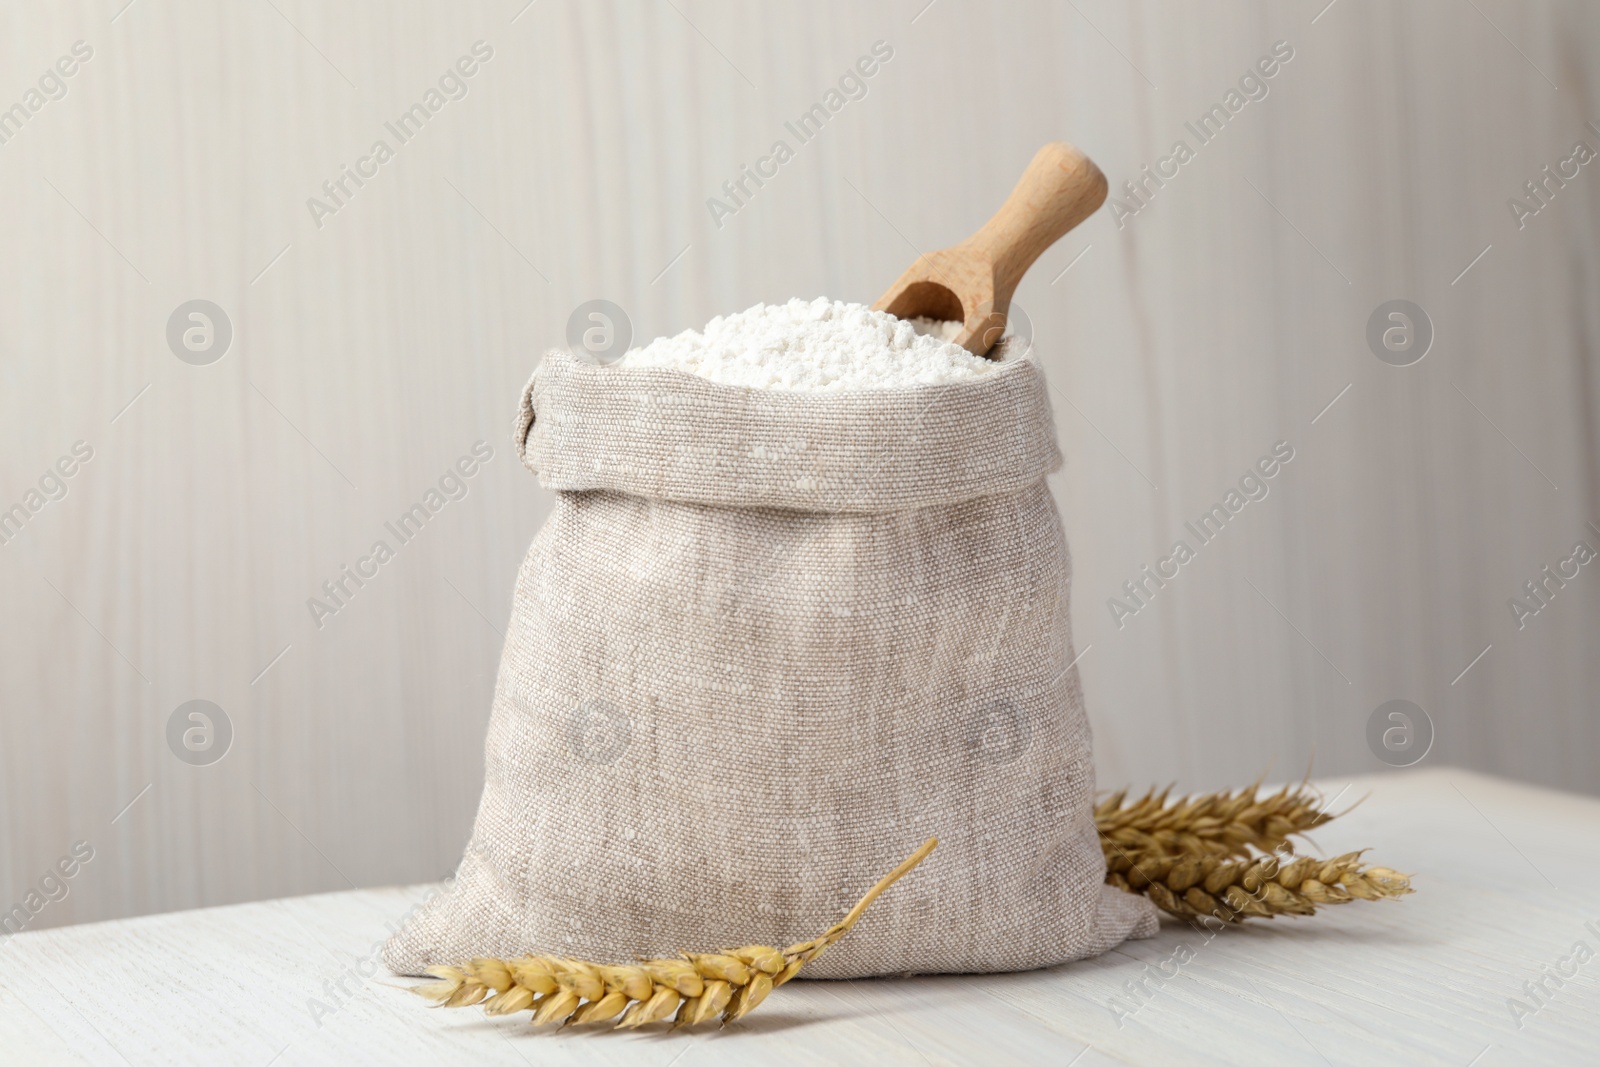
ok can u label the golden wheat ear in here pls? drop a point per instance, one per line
(1230, 890)
(730, 983)
(1228, 855)
(1229, 823)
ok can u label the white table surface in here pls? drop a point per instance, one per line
(1505, 877)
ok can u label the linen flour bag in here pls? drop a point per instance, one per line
(767, 643)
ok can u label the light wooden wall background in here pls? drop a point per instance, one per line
(375, 350)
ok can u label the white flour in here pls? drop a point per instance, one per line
(815, 346)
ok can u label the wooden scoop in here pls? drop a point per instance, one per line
(973, 281)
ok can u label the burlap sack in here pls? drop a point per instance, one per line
(766, 644)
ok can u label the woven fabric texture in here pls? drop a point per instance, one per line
(765, 645)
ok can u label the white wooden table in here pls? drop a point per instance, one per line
(1505, 878)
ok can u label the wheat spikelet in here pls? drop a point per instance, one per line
(730, 983)
(1232, 890)
(1229, 823)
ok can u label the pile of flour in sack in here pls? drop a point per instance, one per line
(816, 346)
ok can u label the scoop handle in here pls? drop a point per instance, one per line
(1060, 188)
